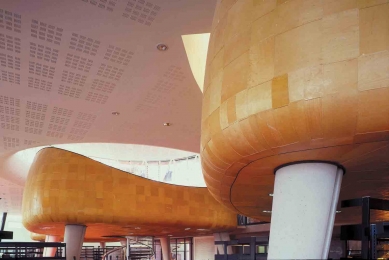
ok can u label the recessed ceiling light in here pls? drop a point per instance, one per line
(167, 124)
(162, 47)
(187, 228)
(115, 113)
(137, 228)
(338, 211)
(271, 194)
(170, 235)
(266, 211)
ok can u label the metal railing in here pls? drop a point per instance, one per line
(31, 250)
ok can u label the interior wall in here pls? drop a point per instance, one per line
(203, 248)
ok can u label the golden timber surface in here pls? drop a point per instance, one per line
(42, 238)
(290, 81)
(66, 188)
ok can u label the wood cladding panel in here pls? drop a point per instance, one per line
(67, 188)
(308, 80)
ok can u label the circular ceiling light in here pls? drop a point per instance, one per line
(115, 113)
(162, 47)
(266, 211)
(167, 124)
(271, 194)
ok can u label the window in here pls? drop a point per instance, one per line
(180, 248)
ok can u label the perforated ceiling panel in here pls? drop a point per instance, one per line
(141, 11)
(66, 66)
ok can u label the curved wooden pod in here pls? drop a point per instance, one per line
(290, 81)
(66, 188)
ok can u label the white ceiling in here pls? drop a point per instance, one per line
(60, 77)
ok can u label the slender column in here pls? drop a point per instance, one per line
(304, 206)
(124, 244)
(102, 244)
(50, 251)
(166, 250)
(74, 238)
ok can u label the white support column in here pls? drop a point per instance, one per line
(304, 206)
(102, 244)
(50, 251)
(166, 250)
(219, 249)
(74, 238)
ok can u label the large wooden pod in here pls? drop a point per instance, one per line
(290, 81)
(66, 188)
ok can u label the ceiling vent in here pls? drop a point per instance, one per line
(141, 11)
(103, 86)
(108, 5)
(43, 53)
(110, 72)
(96, 98)
(10, 142)
(73, 78)
(81, 126)
(10, 77)
(78, 63)
(35, 117)
(83, 44)
(69, 91)
(118, 55)
(46, 32)
(39, 84)
(174, 73)
(31, 142)
(9, 113)
(10, 21)
(41, 70)
(8, 61)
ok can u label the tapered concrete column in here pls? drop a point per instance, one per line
(74, 238)
(304, 206)
(219, 249)
(50, 251)
(166, 250)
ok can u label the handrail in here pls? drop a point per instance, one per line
(152, 249)
(111, 251)
(122, 247)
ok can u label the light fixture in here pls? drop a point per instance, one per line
(338, 211)
(115, 113)
(137, 227)
(167, 124)
(187, 228)
(162, 47)
(170, 235)
(266, 211)
(271, 194)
